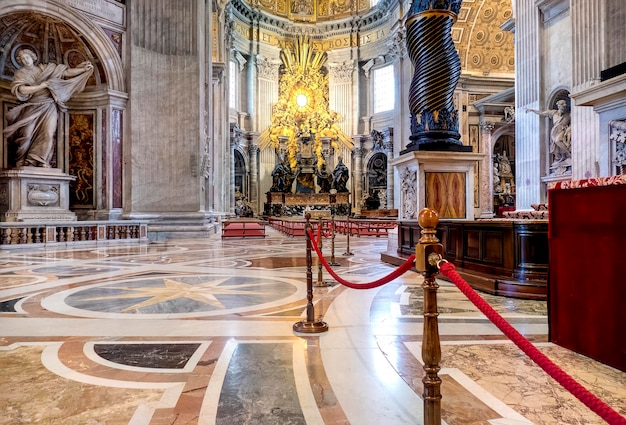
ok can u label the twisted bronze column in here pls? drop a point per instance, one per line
(437, 68)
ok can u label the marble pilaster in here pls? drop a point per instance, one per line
(486, 171)
(529, 163)
(253, 154)
(357, 160)
(388, 146)
(341, 96)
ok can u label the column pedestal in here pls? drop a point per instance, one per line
(443, 181)
(35, 194)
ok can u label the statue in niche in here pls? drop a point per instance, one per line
(324, 179)
(282, 178)
(382, 196)
(340, 176)
(242, 208)
(509, 114)
(560, 135)
(43, 90)
(504, 165)
(496, 177)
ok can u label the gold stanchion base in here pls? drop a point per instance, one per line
(310, 327)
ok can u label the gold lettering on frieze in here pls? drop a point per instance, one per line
(336, 43)
(372, 37)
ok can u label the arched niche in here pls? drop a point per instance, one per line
(558, 164)
(89, 138)
(241, 175)
(503, 168)
(376, 181)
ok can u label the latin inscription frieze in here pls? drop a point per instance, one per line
(109, 11)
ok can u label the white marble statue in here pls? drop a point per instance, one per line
(43, 90)
(560, 134)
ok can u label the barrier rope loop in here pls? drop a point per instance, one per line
(406, 266)
(581, 393)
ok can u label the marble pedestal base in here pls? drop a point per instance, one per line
(35, 194)
(443, 181)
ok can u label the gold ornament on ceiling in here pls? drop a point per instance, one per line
(311, 11)
(302, 108)
(484, 48)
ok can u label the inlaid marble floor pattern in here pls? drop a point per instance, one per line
(199, 331)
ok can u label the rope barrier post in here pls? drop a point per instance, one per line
(333, 260)
(320, 278)
(310, 325)
(427, 252)
(348, 236)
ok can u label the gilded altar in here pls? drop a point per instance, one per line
(296, 204)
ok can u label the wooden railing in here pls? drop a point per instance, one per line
(354, 226)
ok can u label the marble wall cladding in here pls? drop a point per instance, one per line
(166, 57)
(117, 145)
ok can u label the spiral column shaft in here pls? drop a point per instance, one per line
(437, 69)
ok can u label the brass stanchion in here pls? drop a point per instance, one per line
(333, 261)
(348, 236)
(428, 252)
(320, 278)
(310, 325)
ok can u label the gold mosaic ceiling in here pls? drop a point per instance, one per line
(483, 46)
(312, 10)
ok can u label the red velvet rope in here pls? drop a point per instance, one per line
(581, 393)
(375, 284)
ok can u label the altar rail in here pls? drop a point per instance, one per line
(365, 227)
(25, 234)
(500, 257)
(356, 227)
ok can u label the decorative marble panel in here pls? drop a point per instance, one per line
(445, 193)
(81, 159)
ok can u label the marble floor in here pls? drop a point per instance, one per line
(199, 331)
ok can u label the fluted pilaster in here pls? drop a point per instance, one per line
(528, 154)
(267, 89)
(167, 53)
(253, 154)
(357, 184)
(341, 94)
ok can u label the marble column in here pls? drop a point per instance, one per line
(357, 174)
(437, 71)
(486, 170)
(388, 147)
(253, 154)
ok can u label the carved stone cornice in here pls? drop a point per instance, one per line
(552, 8)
